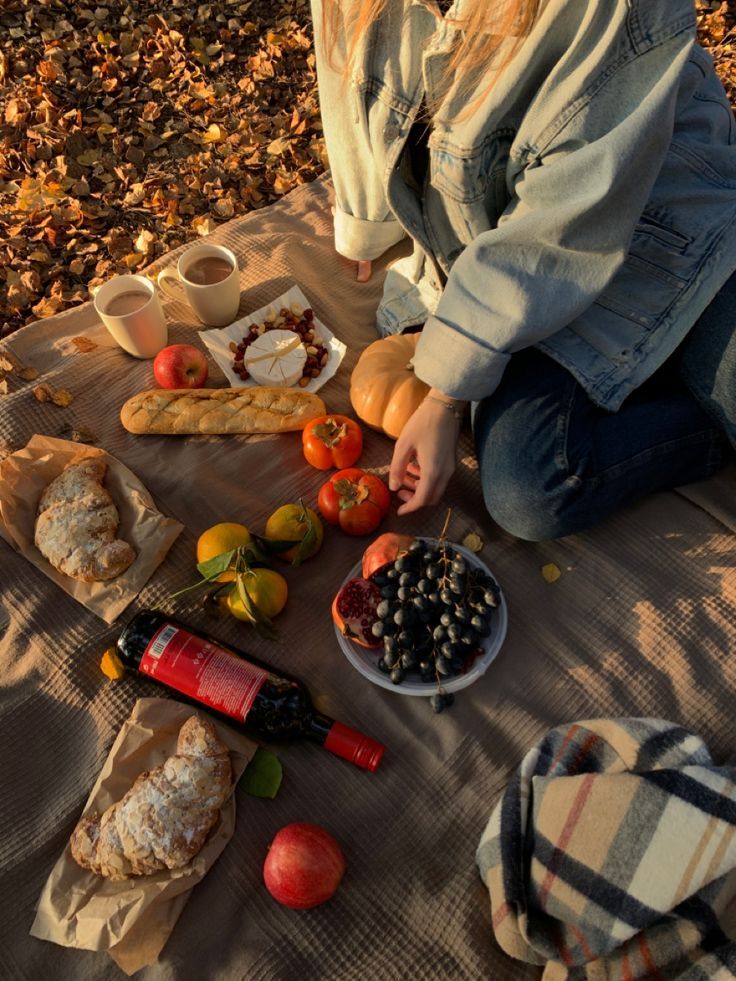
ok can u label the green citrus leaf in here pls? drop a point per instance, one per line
(309, 538)
(263, 625)
(214, 567)
(262, 776)
(253, 553)
(273, 545)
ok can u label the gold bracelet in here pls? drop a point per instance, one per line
(458, 413)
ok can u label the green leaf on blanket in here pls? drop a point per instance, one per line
(551, 572)
(262, 776)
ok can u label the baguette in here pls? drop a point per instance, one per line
(220, 410)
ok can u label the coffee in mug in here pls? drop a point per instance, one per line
(208, 269)
(207, 278)
(124, 303)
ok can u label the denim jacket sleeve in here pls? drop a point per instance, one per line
(364, 225)
(578, 192)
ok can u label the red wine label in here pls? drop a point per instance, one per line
(202, 671)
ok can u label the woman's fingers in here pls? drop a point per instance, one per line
(418, 492)
(364, 270)
(424, 458)
(404, 453)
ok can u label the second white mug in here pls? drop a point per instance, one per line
(206, 277)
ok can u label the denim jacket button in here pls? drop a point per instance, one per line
(391, 132)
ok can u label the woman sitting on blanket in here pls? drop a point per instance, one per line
(566, 170)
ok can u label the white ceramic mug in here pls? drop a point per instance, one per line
(216, 304)
(141, 330)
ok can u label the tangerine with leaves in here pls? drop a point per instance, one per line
(223, 537)
(267, 589)
(299, 524)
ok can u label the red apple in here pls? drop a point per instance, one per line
(180, 366)
(304, 866)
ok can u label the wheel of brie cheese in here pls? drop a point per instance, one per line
(276, 358)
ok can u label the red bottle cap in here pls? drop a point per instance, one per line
(353, 746)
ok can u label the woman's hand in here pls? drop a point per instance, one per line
(425, 453)
(364, 270)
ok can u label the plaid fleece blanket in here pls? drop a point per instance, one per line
(612, 854)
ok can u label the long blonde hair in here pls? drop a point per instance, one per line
(479, 35)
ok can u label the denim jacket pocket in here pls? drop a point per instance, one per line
(472, 190)
(465, 176)
(653, 229)
(642, 291)
(660, 264)
(662, 247)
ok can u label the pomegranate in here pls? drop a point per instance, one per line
(304, 866)
(384, 549)
(354, 611)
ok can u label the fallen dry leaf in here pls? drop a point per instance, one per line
(224, 208)
(551, 572)
(79, 434)
(62, 397)
(111, 665)
(59, 396)
(43, 393)
(204, 225)
(83, 344)
(214, 134)
(473, 542)
(28, 374)
(9, 362)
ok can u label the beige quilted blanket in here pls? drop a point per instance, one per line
(641, 622)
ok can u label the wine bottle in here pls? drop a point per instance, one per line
(269, 704)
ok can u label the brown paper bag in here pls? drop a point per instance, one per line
(23, 478)
(132, 919)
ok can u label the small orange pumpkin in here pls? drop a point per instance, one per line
(384, 391)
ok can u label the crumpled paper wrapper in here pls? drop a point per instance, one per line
(24, 476)
(133, 919)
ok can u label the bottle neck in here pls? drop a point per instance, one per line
(347, 743)
(318, 727)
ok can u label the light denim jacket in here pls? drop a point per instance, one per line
(588, 207)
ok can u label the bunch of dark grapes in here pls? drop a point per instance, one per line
(435, 613)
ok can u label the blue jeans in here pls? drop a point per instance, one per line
(552, 463)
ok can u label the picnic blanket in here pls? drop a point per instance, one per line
(640, 622)
(612, 854)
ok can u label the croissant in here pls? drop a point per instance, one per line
(165, 817)
(76, 524)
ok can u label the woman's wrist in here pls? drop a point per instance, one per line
(456, 406)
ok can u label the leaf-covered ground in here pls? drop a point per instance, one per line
(131, 127)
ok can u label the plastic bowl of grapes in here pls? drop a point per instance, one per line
(451, 626)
